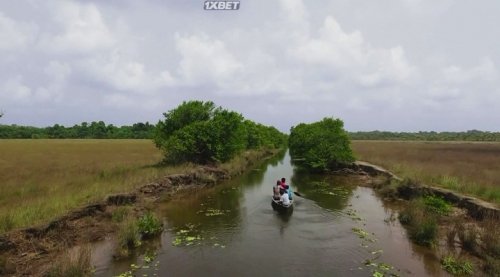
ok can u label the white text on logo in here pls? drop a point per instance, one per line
(222, 5)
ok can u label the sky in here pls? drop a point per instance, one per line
(395, 65)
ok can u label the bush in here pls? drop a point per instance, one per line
(198, 132)
(149, 225)
(456, 266)
(259, 136)
(437, 205)
(182, 116)
(322, 145)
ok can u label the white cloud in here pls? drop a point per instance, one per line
(348, 55)
(485, 71)
(205, 60)
(15, 89)
(296, 15)
(57, 73)
(57, 70)
(83, 29)
(294, 59)
(15, 35)
(466, 88)
(121, 73)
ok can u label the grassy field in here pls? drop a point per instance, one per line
(42, 179)
(467, 167)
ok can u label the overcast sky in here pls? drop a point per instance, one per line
(397, 65)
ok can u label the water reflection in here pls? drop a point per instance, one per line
(212, 211)
(278, 159)
(231, 229)
(329, 192)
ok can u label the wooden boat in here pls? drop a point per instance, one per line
(278, 206)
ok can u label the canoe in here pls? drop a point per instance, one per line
(278, 206)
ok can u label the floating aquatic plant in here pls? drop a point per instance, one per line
(353, 214)
(186, 236)
(362, 234)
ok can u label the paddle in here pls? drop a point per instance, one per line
(298, 194)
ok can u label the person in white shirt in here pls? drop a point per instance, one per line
(276, 191)
(284, 199)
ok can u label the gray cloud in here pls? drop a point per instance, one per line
(392, 65)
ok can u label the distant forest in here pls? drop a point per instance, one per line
(93, 130)
(101, 130)
(472, 135)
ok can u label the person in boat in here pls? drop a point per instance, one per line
(286, 188)
(285, 201)
(283, 186)
(276, 190)
(283, 183)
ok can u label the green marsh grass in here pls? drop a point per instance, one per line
(467, 167)
(149, 225)
(43, 179)
(457, 266)
(421, 222)
(436, 204)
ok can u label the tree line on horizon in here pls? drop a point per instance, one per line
(101, 130)
(471, 135)
(85, 130)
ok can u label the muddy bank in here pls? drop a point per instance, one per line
(32, 251)
(476, 208)
(468, 232)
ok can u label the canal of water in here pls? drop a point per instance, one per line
(338, 228)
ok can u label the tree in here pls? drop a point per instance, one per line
(198, 132)
(322, 145)
(182, 116)
(228, 134)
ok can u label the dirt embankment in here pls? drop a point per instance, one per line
(476, 208)
(469, 230)
(30, 251)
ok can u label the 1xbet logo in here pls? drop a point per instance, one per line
(222, 5)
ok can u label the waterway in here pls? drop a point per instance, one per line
(338, 228)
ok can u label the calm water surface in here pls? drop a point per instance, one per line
(337, 229)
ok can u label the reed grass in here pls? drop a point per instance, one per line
(43, 179)
(467, 167)
(422, 223)
(73, 263)
(119, 214)
(128, 235)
